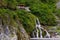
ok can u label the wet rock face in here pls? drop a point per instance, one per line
(7, 35)
(23, 34)
(9, 30)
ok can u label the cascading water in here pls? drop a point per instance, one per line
(47, 35)
(39, 28)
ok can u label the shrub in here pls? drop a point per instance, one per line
(27, 19)
(58, 12)
(45, 14)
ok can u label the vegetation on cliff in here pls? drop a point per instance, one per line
(42, 9)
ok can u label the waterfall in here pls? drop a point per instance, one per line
(33, 35)
(37, 34)
(38, 26)
(47, 35)
(39, 31)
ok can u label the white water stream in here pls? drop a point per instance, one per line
(39, 28)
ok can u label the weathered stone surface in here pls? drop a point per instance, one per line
(12, 29)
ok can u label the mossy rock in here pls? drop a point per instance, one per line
(10, 18)
(27, 19)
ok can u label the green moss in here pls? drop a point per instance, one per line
(27, 19)
(44, 13)
(58, 13)
(43, 9)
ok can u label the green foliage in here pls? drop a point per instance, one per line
(45, 14)
(10, 19)
(3, 3)
(49, 1)
(27, 19)
(21, 1)
(58, 13)
(43, 9)
(8, 15)
(12, 4)
(8, 3)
